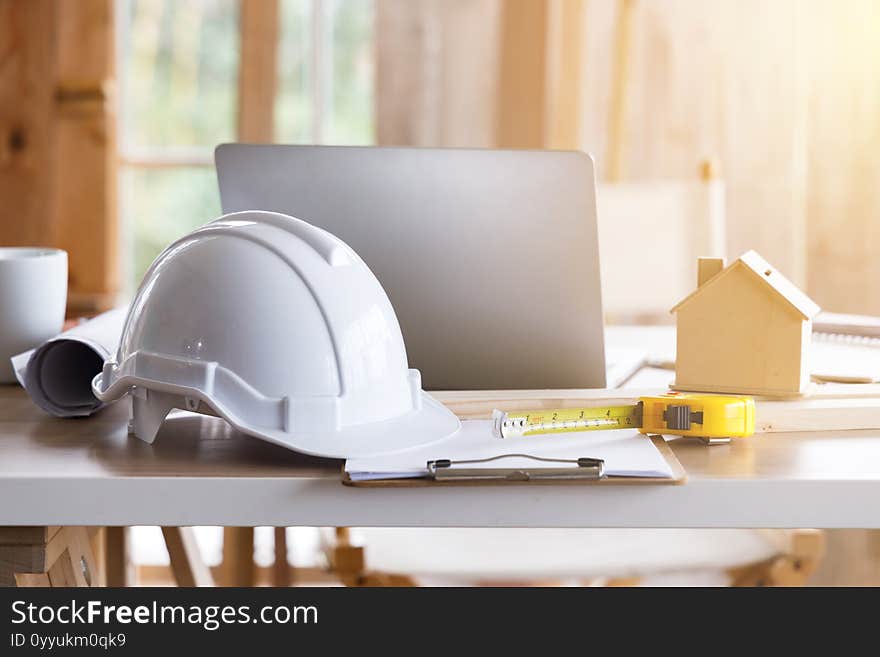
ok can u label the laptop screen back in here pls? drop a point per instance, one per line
(489, 257)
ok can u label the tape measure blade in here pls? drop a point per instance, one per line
(565, 420)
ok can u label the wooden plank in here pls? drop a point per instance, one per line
(817, 415)
(619, 82)
(84, 199)
(98, 542)
(33, 558)
(86, 571)
(32, 580)
(27, 535)
(257, 79)
(186, 560)
(62, 574)
(522, 80)
(24, 558)
(565, 42)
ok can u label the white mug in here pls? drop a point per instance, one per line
(33, 298)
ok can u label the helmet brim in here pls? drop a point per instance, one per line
(431, 423)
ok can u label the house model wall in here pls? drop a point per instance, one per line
(746, 329)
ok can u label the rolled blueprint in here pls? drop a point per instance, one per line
(58, 374)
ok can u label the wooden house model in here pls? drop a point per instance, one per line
(746, 329)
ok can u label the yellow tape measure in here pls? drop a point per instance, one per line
(712, 417)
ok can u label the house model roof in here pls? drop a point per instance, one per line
(762, 270)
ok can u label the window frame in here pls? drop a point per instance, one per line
(257, 86)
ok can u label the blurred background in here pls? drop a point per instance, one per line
(110, 110)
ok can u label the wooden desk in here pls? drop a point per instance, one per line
(201, 472)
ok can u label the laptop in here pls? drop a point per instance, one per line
(489, 257)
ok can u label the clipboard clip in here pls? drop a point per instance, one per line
(449, 470)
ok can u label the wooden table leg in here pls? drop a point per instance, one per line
(238, 557)
(281, 569)
(118, 565)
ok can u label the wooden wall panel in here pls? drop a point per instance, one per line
(436, 72)
(84, 198)
(844, 167)
(57, 138)
(784, 95)
(26, 62)
(717, 79)
(565, 59)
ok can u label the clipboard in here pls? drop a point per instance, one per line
(546, 478)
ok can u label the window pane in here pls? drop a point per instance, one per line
(349, 70)
(180, 72)
(344, 61)
(160, 205)
(294, 109)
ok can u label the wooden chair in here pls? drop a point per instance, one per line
(616, 557)
(187, 564)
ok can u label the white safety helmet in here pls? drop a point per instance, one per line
(281, 329)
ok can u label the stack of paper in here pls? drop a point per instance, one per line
(626, 453)
(845, 359)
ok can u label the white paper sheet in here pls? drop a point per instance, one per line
(845, 359)
(58, 374)
(626, 453)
